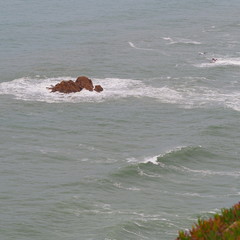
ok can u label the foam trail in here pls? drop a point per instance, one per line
(210, 172)
(221, 62)
(133, 46)
(181, 41)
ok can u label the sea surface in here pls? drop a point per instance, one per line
(156, 150)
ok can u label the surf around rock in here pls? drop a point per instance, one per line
(70, 86)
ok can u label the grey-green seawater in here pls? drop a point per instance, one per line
(158, 148)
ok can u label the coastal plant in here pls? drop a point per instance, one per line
(223, 226)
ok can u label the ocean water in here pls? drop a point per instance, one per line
(158, 148)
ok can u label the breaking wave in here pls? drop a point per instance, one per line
(170, 160)
(177, 161)
(178, 155)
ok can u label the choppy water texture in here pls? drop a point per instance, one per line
(158, 148)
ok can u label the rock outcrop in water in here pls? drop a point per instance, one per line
(98, 88)
(66, 87)
(84, 82)
(77, 86)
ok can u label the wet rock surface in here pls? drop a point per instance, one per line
(70, 86)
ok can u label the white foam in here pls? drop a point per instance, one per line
(207, 97)
(210, 172)
(156, 160)
(119, 185)
(35, 89)
(32, 89)
(221, 62)
(152, 160)
(146, 49)
(181, 41)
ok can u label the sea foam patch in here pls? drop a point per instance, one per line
(36, 89)
(133, 46)
(220, 62)
(181, 41)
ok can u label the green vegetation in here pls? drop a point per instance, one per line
(224, 226)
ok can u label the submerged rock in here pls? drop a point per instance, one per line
(70, 86)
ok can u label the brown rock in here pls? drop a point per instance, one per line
(71, 86)
(66, 87)
(84, 82)
(98, 88)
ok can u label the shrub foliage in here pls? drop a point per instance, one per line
(223, 226)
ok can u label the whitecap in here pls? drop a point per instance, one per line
(155, 159)
(181, 41)
(174, 150)
(220, 62)
(152, 160)
(133, 46)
